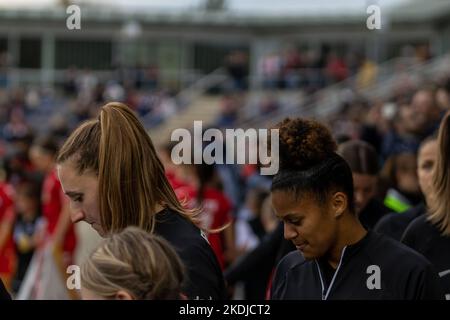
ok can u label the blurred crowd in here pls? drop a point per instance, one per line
(34, 121)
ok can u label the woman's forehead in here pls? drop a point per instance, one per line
(69, 175)
(288, 200)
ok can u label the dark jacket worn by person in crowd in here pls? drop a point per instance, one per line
(394, 224)
(372, 213)
(375, 268)
(261, 260)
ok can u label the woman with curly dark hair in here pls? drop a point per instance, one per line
(336, 258)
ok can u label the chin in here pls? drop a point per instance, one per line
(308, 256)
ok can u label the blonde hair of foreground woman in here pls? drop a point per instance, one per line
(133, 264)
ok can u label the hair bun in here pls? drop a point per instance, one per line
(304, 143)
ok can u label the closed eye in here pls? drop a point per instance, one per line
(296, 221)
(78, 199)
(75, 196)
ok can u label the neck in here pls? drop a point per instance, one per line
(350, 231)
(428, 198)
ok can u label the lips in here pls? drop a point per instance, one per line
(301, 246)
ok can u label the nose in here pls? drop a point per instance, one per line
(289, 232)
(77, 216)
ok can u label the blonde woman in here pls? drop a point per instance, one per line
(110, 171)
(133, 265)
(429, 234)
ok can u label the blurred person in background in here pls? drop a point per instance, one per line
(251, 173)
(17, 127)
(204, 190)
(377, 123)
(59, 232)
(237, 67)
(399, 182)
(250, 230)
(254, 268)
(364, 163)
(7, 217)
(268, 105)
(429, 234)
(393, 224)
(18, 169)
(291, 72)
(249, 226)
(259, 263)
(336, 68)
(199, 185)
(424, 103)
(403, 136)
(173, 172)
(3, 69)
(268, 218)
(270, 67)
(443, 98)
(70, 82)
(413, 123)
(133, 265)
(229, 108)
(367, 73)
(25, 228)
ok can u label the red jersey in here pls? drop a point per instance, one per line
(52, 203)
(7, 215)
(174, 181)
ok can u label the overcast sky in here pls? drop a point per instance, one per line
(241, 6)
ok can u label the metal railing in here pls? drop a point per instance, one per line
(216, 78)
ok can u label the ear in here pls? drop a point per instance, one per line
(339, 203)
(123, 295)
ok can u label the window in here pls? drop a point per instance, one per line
(30, 53)
(92, 54)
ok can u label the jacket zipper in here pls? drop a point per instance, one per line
(326, 294)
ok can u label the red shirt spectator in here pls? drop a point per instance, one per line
(174, 181)
(7, 217)
(52, 203)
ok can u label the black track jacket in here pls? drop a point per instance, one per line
(375, 268)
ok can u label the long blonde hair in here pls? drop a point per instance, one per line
(131, 178)
(144, 265)
(439, 213)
